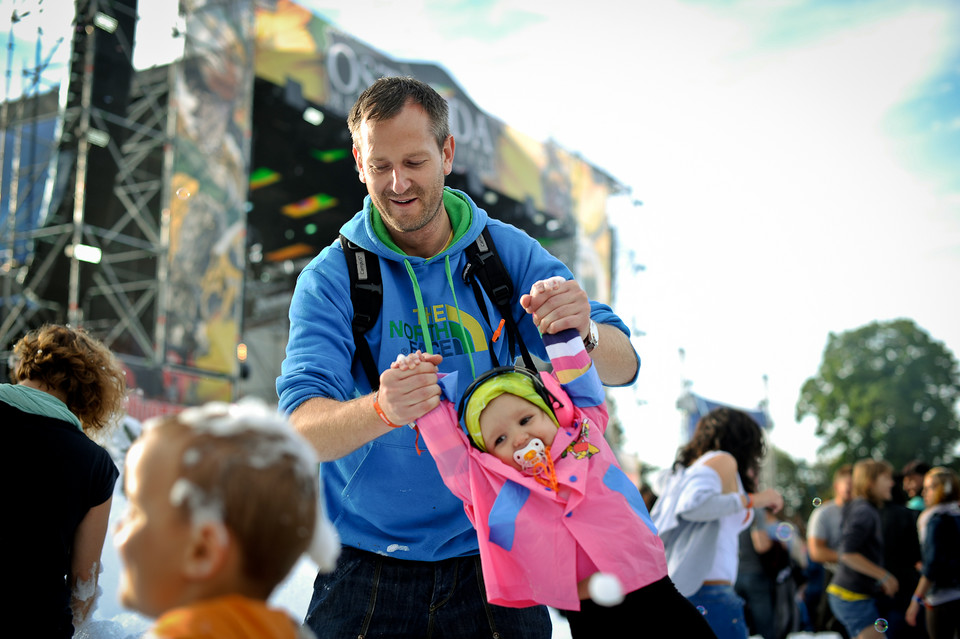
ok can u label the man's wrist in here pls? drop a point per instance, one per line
(380, 413)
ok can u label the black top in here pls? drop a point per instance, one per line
(941, 551)
(54, 474)
(862, 533)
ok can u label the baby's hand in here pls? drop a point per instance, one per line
(407, 362)
(549, 284)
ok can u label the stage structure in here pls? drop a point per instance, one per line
(179, 202)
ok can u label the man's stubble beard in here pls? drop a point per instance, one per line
(429, 210)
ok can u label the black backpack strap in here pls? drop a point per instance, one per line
(485, 267)
(366, 292)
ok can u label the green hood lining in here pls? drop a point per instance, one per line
(457, 208)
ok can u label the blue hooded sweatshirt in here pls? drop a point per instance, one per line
(384, 497)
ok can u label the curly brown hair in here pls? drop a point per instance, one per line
(729, 430)
(70, 361)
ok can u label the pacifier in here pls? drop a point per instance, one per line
(534, 459)
(529, 455)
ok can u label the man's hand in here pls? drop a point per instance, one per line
(409, 388)
(557, 304)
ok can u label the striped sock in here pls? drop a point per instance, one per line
(567, 355)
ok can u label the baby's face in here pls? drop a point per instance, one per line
(509, 422)
(153, 536)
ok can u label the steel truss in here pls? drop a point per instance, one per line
(120, 298)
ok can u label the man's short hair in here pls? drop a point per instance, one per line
(386, 97)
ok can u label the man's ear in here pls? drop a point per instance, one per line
(447, 155)
(359, 160)
(207, 550)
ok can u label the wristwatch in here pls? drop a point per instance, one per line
(593, 337)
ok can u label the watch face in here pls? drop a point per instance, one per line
(592, 337)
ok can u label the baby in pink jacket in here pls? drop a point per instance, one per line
(558, 522)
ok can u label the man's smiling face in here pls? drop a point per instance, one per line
(399, 161)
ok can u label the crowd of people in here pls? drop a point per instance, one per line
(514, 502)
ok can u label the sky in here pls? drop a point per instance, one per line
(794, 168)
(797, 164)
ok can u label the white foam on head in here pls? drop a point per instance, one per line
(325, 546)
(203, 507)
(222, 419)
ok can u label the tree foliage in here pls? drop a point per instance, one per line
(798, 482)
(885, 390)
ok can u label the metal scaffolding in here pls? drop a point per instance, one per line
(111, 157)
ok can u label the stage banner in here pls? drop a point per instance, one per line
(211, 103)
(329, 68)
(694, 407)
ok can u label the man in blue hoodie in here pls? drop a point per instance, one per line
(410, 563)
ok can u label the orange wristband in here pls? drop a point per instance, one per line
(383, 416)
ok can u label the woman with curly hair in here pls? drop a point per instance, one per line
(705, 500)
(67, 387)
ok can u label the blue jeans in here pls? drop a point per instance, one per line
(722, 607)
(759, 591)
(854, 615)
(369, 595)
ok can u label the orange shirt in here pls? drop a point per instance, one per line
(230, 617)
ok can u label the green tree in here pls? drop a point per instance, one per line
(799, 483)
(885, 390)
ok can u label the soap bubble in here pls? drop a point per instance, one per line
(881, 625)
(605, 589)
(701, 610)
(784, 531)
(183, 193)
(817, 501)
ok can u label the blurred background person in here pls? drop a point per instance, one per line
(823, 542)
(66, 386)
(913, 473)
(860, 575)
(938, 589)
(901, 556)
(705, 500)
(765, 576)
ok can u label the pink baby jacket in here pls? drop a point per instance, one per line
(537, 544)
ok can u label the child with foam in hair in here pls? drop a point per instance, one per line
(559, 523)
(222, 502)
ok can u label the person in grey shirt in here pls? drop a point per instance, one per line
(823, 540)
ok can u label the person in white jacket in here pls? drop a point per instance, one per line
(705, 499)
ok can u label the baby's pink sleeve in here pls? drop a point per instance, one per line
(449, 448)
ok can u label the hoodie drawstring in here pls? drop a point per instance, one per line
(467, 344)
